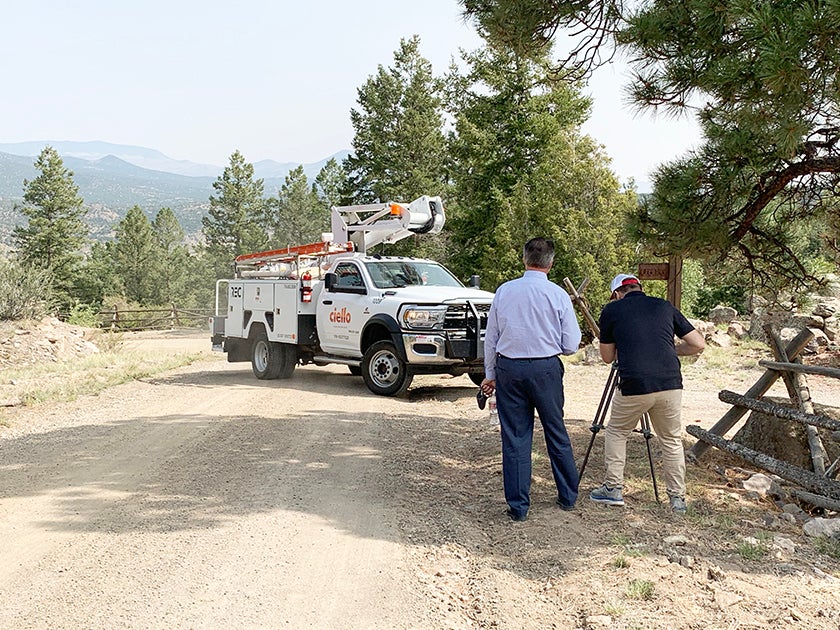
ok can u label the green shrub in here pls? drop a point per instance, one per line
(84, 315)
(727, 295)
(25, 292)
(704, 287)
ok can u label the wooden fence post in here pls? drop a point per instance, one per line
(761, 386)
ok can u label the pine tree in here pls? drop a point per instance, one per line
(56, 231)
(171, 259)
(133, 251)
(762, 79)
(237, 212)
(330, 184)
(96, 278)
(297, 215)
(399, 147)
(521, 168)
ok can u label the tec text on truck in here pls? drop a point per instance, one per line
(386, 317)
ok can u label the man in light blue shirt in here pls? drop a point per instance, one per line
(531, 323)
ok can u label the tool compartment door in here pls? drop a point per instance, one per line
(235, 321)
(285, 312)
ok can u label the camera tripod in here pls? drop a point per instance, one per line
(598, 424)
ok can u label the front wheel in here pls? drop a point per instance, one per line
(383, 371)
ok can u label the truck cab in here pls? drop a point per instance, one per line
(401, 317)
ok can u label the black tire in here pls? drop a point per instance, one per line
(383, 371)
(476, 377)
(288, 359)
(355, 370)
(266, 357)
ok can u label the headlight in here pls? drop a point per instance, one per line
(424, 317)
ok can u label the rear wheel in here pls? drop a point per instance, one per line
(266, 359)
(288, 359)
(383, 371)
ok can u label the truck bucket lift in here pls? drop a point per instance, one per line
(354, 228)
(375, 223)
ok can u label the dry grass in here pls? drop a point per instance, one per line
(64, 381)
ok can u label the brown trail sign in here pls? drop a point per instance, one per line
(670, 271)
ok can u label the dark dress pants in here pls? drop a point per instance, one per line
(523, 385)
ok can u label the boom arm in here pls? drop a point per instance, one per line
(372, 224)
(354, 228)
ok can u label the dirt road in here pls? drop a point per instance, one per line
(204, 498)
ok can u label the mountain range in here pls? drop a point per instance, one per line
(113, 177)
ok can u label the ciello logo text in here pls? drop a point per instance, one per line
(340, 317)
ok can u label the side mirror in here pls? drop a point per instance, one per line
(329, 281)
(474, 281)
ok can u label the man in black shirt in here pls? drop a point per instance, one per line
(637, 331)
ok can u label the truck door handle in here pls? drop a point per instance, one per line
(327, 302)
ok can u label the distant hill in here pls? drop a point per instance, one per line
(113, 178)
(92, 151)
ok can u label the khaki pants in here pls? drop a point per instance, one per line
(664, 409)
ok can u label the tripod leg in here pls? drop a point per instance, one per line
(606, 397)
(588, 449)
(647, 433)
(600, 415)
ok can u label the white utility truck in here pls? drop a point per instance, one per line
(386, 317)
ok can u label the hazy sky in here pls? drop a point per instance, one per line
(197, 79)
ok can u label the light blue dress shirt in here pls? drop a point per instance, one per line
(531, 317)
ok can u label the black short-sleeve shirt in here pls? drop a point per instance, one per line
(642, 329)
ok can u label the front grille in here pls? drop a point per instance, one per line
(460, 317)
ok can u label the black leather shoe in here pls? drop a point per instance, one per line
(516, 517)
(481, 398)
(565, 507)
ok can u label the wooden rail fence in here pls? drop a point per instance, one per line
(153, 318)
(822, 489)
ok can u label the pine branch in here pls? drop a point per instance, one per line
(764, 193)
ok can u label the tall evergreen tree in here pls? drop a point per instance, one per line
(331, 184)
(234, 222)
(171, 259)
(133, 251)
(56, 231)
(399, 144)
(96, 278)
(521, 168)
(297, 215)
(399, 147)
(762, 78)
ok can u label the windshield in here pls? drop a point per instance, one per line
(393, 274)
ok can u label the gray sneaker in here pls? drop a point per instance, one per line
(678, 505)
(607, 495)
